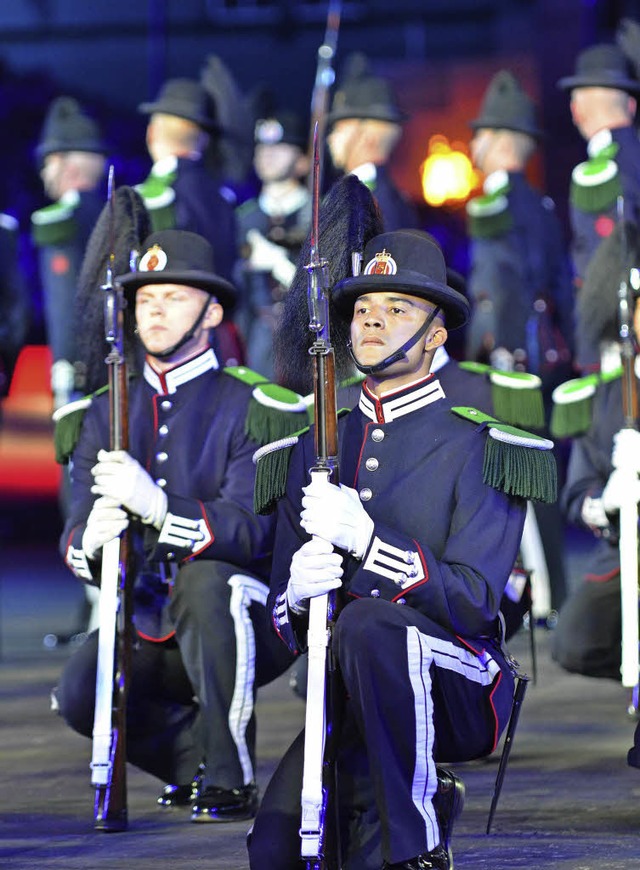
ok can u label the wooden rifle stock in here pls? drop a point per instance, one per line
(629, 509)
(115, 630)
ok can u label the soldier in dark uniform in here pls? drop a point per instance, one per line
(72, 157)
(272, 228)
(365, 125)
(588, 635)
(520, 282)
(422, 547)
(185, 487)
(181, 191)
(604, 90)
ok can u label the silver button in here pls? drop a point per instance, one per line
(162, 456)
(409, 557)
(377, 435)
(166, 405)
(401, 601)
(365, 494)
(401, 579)
(163, 430)
(371, 464)
(375, 593)
(171, 556)
(161, 482)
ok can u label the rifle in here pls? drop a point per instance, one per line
(324, 79)
(319, 829)
(629, 509)
(108, 764)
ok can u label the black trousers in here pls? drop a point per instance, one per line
(191, 698)
(416, 694)
(588, 637)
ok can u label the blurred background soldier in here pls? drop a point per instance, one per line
(603, 89)
(182, 192)
(520, 280)
(365, 125)
(71, 153)
(272, 228)
(520, 285)
(588, 636)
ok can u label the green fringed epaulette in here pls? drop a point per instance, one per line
(516, 396)
(272, 467)
(516, 462)
(68, 423)
(489, 215)
(55, 224)
(274, 412)
(159, 198)
(573, 403)
(595, 183)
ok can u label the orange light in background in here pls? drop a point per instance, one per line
(447, 174)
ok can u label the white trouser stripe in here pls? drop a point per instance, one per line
(422, 651)
(425, 780)
(244, 590)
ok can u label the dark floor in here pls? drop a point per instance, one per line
(569, 800)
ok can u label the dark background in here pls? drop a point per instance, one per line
(438, 54)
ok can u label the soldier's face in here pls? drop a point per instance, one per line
(165, 312)
(276, 162)
(51, 175)
(343, 141)
(481, 148)
(383, 321)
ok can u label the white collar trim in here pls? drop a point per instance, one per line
(169, 381)
(404, 402)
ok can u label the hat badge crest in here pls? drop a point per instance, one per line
(382, 264)
(155, 260)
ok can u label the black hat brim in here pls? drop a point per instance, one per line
(488, 123)
(223, 290)
(599, 81)
(454, 304)
(382, 113)
(168, 107)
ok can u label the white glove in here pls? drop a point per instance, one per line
(122, 478)
(266, 256)
(626, 450)
(106, 521)
(336, 514)
(315, 569)
(620, 488)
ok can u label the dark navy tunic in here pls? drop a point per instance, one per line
(200, 590)
(417, 640)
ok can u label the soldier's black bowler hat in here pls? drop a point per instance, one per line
(408, 261)
(185, 98)
(280, 127)
(179, 257)
(364, 96)
(68, 128)
(602, 66)
(506, 106)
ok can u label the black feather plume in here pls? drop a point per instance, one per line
(132, 226)
(348, 218)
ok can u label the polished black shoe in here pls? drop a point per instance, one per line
(181, 795)
(448, 802)
(436, 859)
(214, 804)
